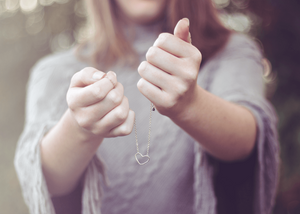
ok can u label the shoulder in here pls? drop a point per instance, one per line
(239, 49)
(56, 66)
(61, 59)
(52, 74)
(237, 68)
(239, 46)
(49, 82)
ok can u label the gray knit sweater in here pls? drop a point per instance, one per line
(180, 176)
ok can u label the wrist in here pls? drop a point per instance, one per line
(190, 106)
(80, 133)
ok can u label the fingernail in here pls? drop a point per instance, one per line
(97, 75)
(113, 73)
(111, 79)
(188, 21)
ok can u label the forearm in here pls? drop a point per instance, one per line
(226, 130)
(65, 154)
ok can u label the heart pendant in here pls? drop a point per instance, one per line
(143, 156)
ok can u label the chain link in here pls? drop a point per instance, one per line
(152, 108)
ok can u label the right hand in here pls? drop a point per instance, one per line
(98, 104)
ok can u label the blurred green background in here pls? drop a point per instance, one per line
(31, 29)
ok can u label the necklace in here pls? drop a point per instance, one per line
(152, 108)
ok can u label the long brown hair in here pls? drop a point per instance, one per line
(111, 46)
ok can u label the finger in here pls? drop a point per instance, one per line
(125, 128)
(112, 77)
(85, 77)
(163, 60)
(100, 109)
(154, 75)
(174, 45)
(150, 91)
(91, 94)
(181, 30)
(114, 118)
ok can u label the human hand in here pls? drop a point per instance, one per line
(169, 76)
(98, 105)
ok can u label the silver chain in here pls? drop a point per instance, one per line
(152, 108)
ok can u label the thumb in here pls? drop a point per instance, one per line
(182, 30)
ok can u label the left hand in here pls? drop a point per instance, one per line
(169, 76)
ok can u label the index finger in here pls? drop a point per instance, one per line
(174, 45)
(86, 76)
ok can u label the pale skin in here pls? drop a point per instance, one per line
(169, 81)
(97, 107)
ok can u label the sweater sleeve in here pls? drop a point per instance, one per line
(45, 105)
(237, 77)
(42, 113)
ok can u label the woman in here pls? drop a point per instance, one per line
(207, 121)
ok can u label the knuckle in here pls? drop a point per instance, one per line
(197, 55)
(142, 67)
(75, 77)
(150, 55)
(87, 72)
(163, 37)
(71, 102)
(95, 130)
(77, 74)
(125, 130)
(190, 77)
(140, 84)
(84, 122)
(120, 114)
(96, 93)
(171, 102)
(87, 69)
(114, 97)
(69, 99)
(180, 90)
